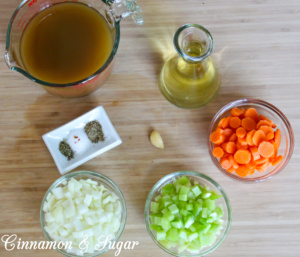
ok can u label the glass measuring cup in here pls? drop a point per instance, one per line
(113, 11)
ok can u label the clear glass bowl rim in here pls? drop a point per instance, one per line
(273, 109)
(169, 177)
(83, 173)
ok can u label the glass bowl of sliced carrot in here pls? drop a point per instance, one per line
(250, 140)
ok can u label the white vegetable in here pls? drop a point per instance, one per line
(82, 208)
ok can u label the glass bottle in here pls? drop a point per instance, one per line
(190, 80)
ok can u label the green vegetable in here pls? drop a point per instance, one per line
(186, 215)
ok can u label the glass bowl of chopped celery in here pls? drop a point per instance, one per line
(187, 214)
(83, 213)
(265, 127)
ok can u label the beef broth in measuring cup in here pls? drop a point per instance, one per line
(67, 47)
(65, 43)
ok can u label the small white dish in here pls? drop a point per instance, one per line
(53, 138)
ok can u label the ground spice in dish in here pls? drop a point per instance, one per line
(93, 129)
(66, 150)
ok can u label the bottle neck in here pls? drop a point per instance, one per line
(193, 43)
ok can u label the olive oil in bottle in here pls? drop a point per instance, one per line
(190, 80)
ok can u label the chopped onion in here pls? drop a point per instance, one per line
(82, 208)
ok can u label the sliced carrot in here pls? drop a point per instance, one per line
(248, 124)
(251, 172)
(233, 138)
(243, 113)
(242, 156)
(254, 152)
(263, 123)
(234, 164)
(220, 130)
(218, 152)
(262, 117)
(227, 132)
(262, 167)
(243, 141)
(258, 137)
(236, 112)
(266, 129)
(225, 163)
(277, 160)
(231, 170)
(242, 171)
(266, 149)
(252, 113)
(235, 122)
(239, 146)
(241, 132)
(278, 137)
(217, 138)
(249, 137)
(270, 136)
(229, 147)
(220, 124)
(260, 161)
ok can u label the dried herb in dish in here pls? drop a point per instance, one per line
(93, 129)
(66, 150)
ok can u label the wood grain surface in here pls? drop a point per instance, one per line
(257, 48)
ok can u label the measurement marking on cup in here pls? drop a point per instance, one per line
(31, 3)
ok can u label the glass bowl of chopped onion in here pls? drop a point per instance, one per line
(83, 213)
(259, 131)
(187, 214)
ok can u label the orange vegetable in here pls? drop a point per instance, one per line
(217, 138)
(236, 112)
(235, 122)
(262, 117)
(258, 137)
(263, 123)
(242, 156)
(225, 163)
(233, 138)
(277, 160)
(241, 171)
(229, 147)
(278, 137)
(254, 152)
(227, 132)
(248, 124)
(231, 170)
(246, 141)
(266, 149)
(241, 132)
(252, 113)
(218, 152)
(234, 164)
(249, 137)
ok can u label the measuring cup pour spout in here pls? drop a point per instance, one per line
(112, 11)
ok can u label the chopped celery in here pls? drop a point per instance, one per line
(204, 212)
(168, 189)
(154, 207)
(196, 190)
(183, 193)
(173, 209)
(172, 235)
(193, 236)
(177, 223)
(184, 212)
(184, 180)
(189, 221)
(210, 204)
(189, 207)
(165, 224)
(185, 215)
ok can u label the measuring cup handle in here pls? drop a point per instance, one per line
(122, 8)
